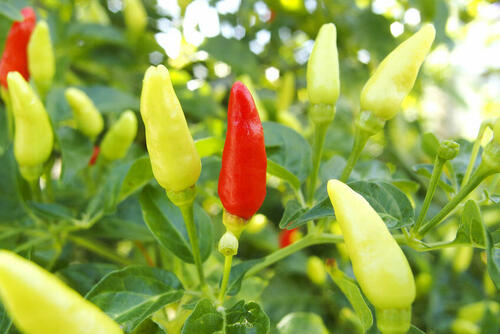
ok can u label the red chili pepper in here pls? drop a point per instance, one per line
(288, 237)
(242, 179)
(94, 156)
(15, 56)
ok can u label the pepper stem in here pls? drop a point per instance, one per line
(184, 200)
(474, 153)
(228, 260)
(482, 172)
(436, 174)
(360, 139)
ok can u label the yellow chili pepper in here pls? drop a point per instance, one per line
(39, 303)
(88, 118)
(41, 61)
(33, 138)
(119, 137)
(379, 264)
(395, 76)
(323, 84)
(136, 18)
(175, 161)
(316, 270)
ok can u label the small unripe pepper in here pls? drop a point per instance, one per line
(14, 57)
(316, 270)
(242, 179)
(395, 76)
(88, 119)
(33, 138)
(323, 85)
(288, 237)
(378, 262)
(91, 11)
(175, 161)
(119, 137)
(41, 60)
(39, 303)
(228, 244)
(136, 18)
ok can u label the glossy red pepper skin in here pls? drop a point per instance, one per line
(242, 179)
(95, 155)
(288, 237)
(15, 57)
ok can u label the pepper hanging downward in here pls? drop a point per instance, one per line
(14, 56)
(379, 264)
(242, 179)
(39, 303)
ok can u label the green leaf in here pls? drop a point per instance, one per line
(288, 148)
(11, 203)
(83, 276)
(237, 274)
(415, 330)
(430, 144)
(10, 12)
(390, 203)
(471, 229)
(204, 319)
(5, 322)
(353, 294)
(493, 260)
(166, 224)
(302, 322)
(51, 211)
(209, 146)
(108, 99)
(76, 150)
(138, 175)
(96, 33)
(131, 295)
(277, 170)
(246, 318)
(293, 210)
(148, 327)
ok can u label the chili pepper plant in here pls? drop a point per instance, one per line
(145, 192)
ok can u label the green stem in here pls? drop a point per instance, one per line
(309, 240)
(360, 139)
(477, 177)
(188, 215)
(49, 191)
(436, 174)
(474, 153)
(228, 260)
(35, 190)
(99, 249)
(318, 143)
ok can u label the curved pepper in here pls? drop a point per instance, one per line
(175, 161)
(379, 264)
(242, 179)
(136, 18)
(33, 138)
(119, 137)
(323, 84)
(14, 57)
(41, 57)
(39, 303)
(88, 118)
(395, 76)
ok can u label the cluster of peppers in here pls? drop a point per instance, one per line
(379, 264)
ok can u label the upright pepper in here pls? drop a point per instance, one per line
(119, 137)
(41, 60)
(175, 161)
(14, 57)
(39, 303)
(395, 76)
(379, 264)
(88, 118)
(242, 179)
(323, 84)
(33, 139)
(136, 18)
